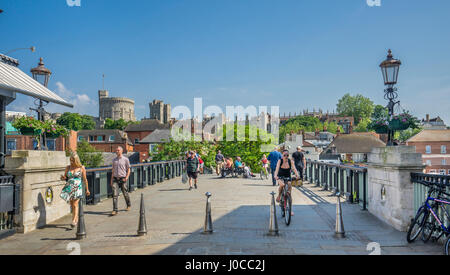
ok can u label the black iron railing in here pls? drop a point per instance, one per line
(9, 203)
(141, 176)
(347, 181)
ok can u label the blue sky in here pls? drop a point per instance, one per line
(296, 54)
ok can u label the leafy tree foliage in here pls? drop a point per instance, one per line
(359, 107)
(245, 147)
(120, 124)
(89, 156)
(306, 123)
(76, 122)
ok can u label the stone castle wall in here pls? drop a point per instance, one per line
(115, 107)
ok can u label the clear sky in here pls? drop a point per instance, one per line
(297, 54)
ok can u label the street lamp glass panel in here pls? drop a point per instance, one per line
(390, 68)
(41, 78)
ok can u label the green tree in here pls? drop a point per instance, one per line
(307, 124)
(76, 122)
(380, 112)
(120, 124)
(403, 136)
(359, 107)
(363, 125)
(89, 156)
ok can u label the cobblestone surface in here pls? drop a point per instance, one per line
(240, 212)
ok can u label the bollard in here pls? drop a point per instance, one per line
(208, 229)
(273, 224)
(81, 228)
(340, 232)
(142, 228)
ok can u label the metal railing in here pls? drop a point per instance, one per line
(346, 181)
(9, 202)
(421, 182)
(141, 176)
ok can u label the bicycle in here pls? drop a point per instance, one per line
(427, 224)
(264, 173)
(286, 200)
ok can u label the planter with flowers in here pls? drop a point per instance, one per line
(402, 122)
(380, 126)
(28, 126)
(53, 130)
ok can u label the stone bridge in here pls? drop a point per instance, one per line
(240, 213)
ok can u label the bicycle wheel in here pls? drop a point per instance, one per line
(447, 247)
(417, 225)
(287, 209)
(282, 206)
(428, 226)
(261, 174)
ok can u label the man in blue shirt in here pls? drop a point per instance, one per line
(274, 157)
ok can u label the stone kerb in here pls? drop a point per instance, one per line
(36, 172)
(390, 191)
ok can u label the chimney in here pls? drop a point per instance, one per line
(428, 117)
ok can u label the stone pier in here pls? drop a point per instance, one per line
(38, 174)
(390, 191)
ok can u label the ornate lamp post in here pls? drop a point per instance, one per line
(390, 68)
(41, 75)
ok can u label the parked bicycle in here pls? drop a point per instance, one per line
(286, 200)
(428, 221)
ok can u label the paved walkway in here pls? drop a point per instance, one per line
(240, 211)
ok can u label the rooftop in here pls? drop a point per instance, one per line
(431, 135)
(356, 143)
(147, 125)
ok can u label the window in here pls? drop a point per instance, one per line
(11, 145)
(442, 172)
(428, 162)
(112, 138)
(449, 171)
(51, 144)
(80, 138)
(443, 149)
(91, 138)
(100, 138)
(35, 144)
(433, 171)
(136, 140)
(444, 162)
(428, 149)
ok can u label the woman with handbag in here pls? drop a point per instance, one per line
(72, 192)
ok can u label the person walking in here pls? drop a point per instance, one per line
(192, 168)
(219, 162)
(72, 192)
(273, 158)
(120, 174)
(300, 163)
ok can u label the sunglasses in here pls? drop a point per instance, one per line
(285, 155)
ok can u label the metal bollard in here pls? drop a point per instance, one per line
(81, 228)
(142, 228)
(273, 223)
(208, 229)
(340, 232)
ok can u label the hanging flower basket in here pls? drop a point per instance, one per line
(26, 131)
(381, 129)
(52, 135)
(398, 124)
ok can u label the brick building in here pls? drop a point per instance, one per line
(106, 140)
(137, 132)
(16, 141)
(435, 148)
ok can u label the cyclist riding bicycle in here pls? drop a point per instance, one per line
(283, 170)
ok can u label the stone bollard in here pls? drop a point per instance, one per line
(142, 228)
(81, 228)
(340, 232)
(273, 224)
(208, 228)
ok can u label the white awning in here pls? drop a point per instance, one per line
(15, 80)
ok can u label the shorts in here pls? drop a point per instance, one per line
(192, 175)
